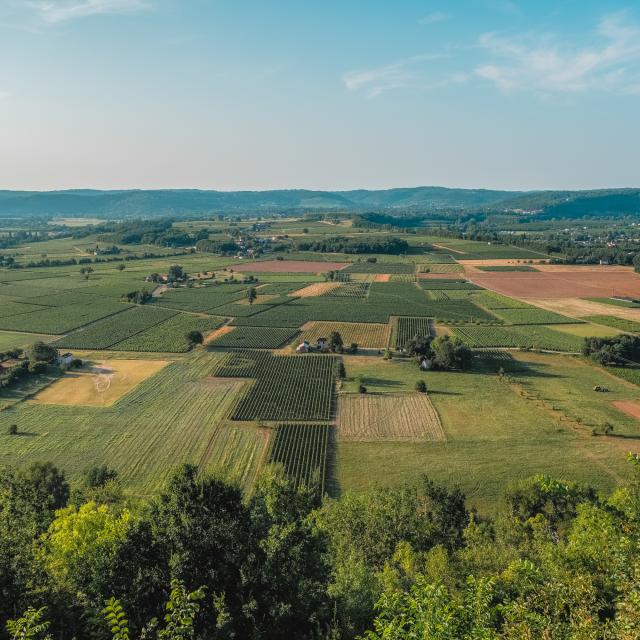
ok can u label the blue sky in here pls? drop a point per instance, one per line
(332, 95)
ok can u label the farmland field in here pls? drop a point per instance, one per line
(367, 335)
(387, 417)
(254, 338)
(297, 388)
(531, 337)
(405, 329)
(244, 399)
(106, 333)
(302, 450)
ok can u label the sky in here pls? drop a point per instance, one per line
(338, 94)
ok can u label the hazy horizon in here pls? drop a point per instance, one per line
(160, 94)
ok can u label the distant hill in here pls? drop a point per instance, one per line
(185, 202)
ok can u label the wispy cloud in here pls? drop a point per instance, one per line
(433, 18)
(409, 73)
(548, 65)
(57, 11)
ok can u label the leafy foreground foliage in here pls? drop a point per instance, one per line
(558, 561)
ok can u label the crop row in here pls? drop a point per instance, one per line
(169, 336)
(368, 335)
(255, 338)
(380, 267)
(302, 450)
(461, 285)
(406, 329)
(534, 315)
(492, 300)
(105, 333)
(349, 290)
(533, 337)
(285, 388)
(631, 326)
(58, 320)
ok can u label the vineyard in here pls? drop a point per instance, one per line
(388, 417)
(435, 258)
(492, 301)
(442, 268)
(406, 329)
(58, 320)
(461, 285)
(255, 338)
(349, 290)
(531, 337)
(507, 267)
(302, 450)
(367, 335)
(106, 333)
(380, 267)
(169, 336)
(297, 388)
(533, 315)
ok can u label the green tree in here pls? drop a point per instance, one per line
(194, 338)
(335, 342)
(251, 295)
(42, 352)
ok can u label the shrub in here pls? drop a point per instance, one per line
(362, 389)
(421, 386)
(12, 430)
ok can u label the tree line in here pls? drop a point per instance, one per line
(556, 560)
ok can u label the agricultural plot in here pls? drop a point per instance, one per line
(302, 451)
(460, 285)
(201, 299)
(388, 417)
(255, 338)
(533, 316)
(9, 307)
(506, 267)
(617, 302)
(630, 326)
(56, 320)
(476, 250)
(13, 339)
(108, 332)
(402, 277)
(442, 268)
(435, 258)
(169, 336)
(315, 289)
(405, 329)
(368, 335)
(492, 300)
(533, 337)
(174, 416)
(98, 384)
(297, 388)
(348, 290)
(380, 267)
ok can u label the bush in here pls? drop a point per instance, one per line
(354, 347)
(12, 430)
(421, 386)
(362, 389)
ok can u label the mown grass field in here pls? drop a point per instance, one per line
(177, 415)
(494, 434)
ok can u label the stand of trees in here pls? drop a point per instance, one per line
(619, 351)
(391, 246)
(556, 561)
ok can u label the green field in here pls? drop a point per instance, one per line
(630, 326)
(507, 267)
(495, 434)
(179, 414)
(255, 338)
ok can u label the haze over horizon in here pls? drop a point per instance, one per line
(160, 94)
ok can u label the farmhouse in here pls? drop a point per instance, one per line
(303, 347)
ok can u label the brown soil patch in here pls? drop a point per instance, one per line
(316, 289)
(388, 417)
(99, 384)
(290, 266)
(581, 284)
(629, 407)
(217, 333)
(382, 277)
